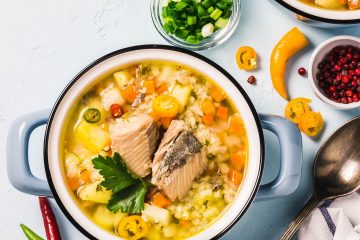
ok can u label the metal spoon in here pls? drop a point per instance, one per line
(336, 170)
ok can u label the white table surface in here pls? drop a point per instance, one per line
(43, 44)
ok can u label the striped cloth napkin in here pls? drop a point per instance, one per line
(337, 219)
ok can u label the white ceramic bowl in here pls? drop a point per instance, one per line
(20, 176)
(318, 56)
(322, 15)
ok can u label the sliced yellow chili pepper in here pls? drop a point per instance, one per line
(289, 44)
(246, 58)
(133, 227)
(166, 106)
(296, 108)
(311, 123)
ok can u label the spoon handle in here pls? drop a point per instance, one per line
(295, 224)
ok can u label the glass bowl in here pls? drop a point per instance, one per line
(213, 40)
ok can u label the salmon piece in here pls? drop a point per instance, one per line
(135, 139)
(179, 159)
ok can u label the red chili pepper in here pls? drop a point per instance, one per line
(51, 227)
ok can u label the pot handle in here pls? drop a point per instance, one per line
(290, 141)
(18, 168)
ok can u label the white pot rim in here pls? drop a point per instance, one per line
(320, 14)
(86, 78)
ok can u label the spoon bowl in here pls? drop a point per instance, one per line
(336, 170)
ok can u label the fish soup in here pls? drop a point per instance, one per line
(155, 151)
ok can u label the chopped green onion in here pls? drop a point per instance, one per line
(191, 39)
(210, 10)
(193, 20)
(216, 14)
(180, 5)
(221, 22)
(206, 3)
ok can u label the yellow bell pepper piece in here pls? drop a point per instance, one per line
(296, 108)
(289, 44)
(311, 123)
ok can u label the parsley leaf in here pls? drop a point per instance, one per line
(114, 171)
(128, 193)
(130, 200)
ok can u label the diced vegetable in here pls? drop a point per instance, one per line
(221, 22)
(235, 176)
(222, 112)
(217, 94)
(129, 93)
(238, 160)
(166, 106)
(122, 78)
(208, 119)
(110, 96)
(208, 107)
(165, 122)
(160, 200)
(103, 217)
(150, 86)
(162, 88)
(216, 14)
(207, 30)
(92, 115)
(156, 215)
(170, 230)
(95, 193)
(182, 94)
(185, 223)
(92, 137)
(235, 124)
(133, 228)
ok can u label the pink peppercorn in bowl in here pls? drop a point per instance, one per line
(334, 72)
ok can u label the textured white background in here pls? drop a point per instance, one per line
(43, 44)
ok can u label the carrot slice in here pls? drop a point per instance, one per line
(150, 86)
(208, 107)
(235, 124)
(208, 119)
(185, 223)
(129, 93)
(85, 175)
(222, 112)
(238, 161)
(73, 182)
(235, 176)
(161, 89)
(165, 121)
(217, 94)
(160, 200)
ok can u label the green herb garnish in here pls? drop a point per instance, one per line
(128, 192)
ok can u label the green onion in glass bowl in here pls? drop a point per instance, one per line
(195, 24)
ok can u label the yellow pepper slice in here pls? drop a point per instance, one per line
(166, 106)
(133, 227)
(296, 108)
(289, 44)
(311, 123)
(246, 58)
